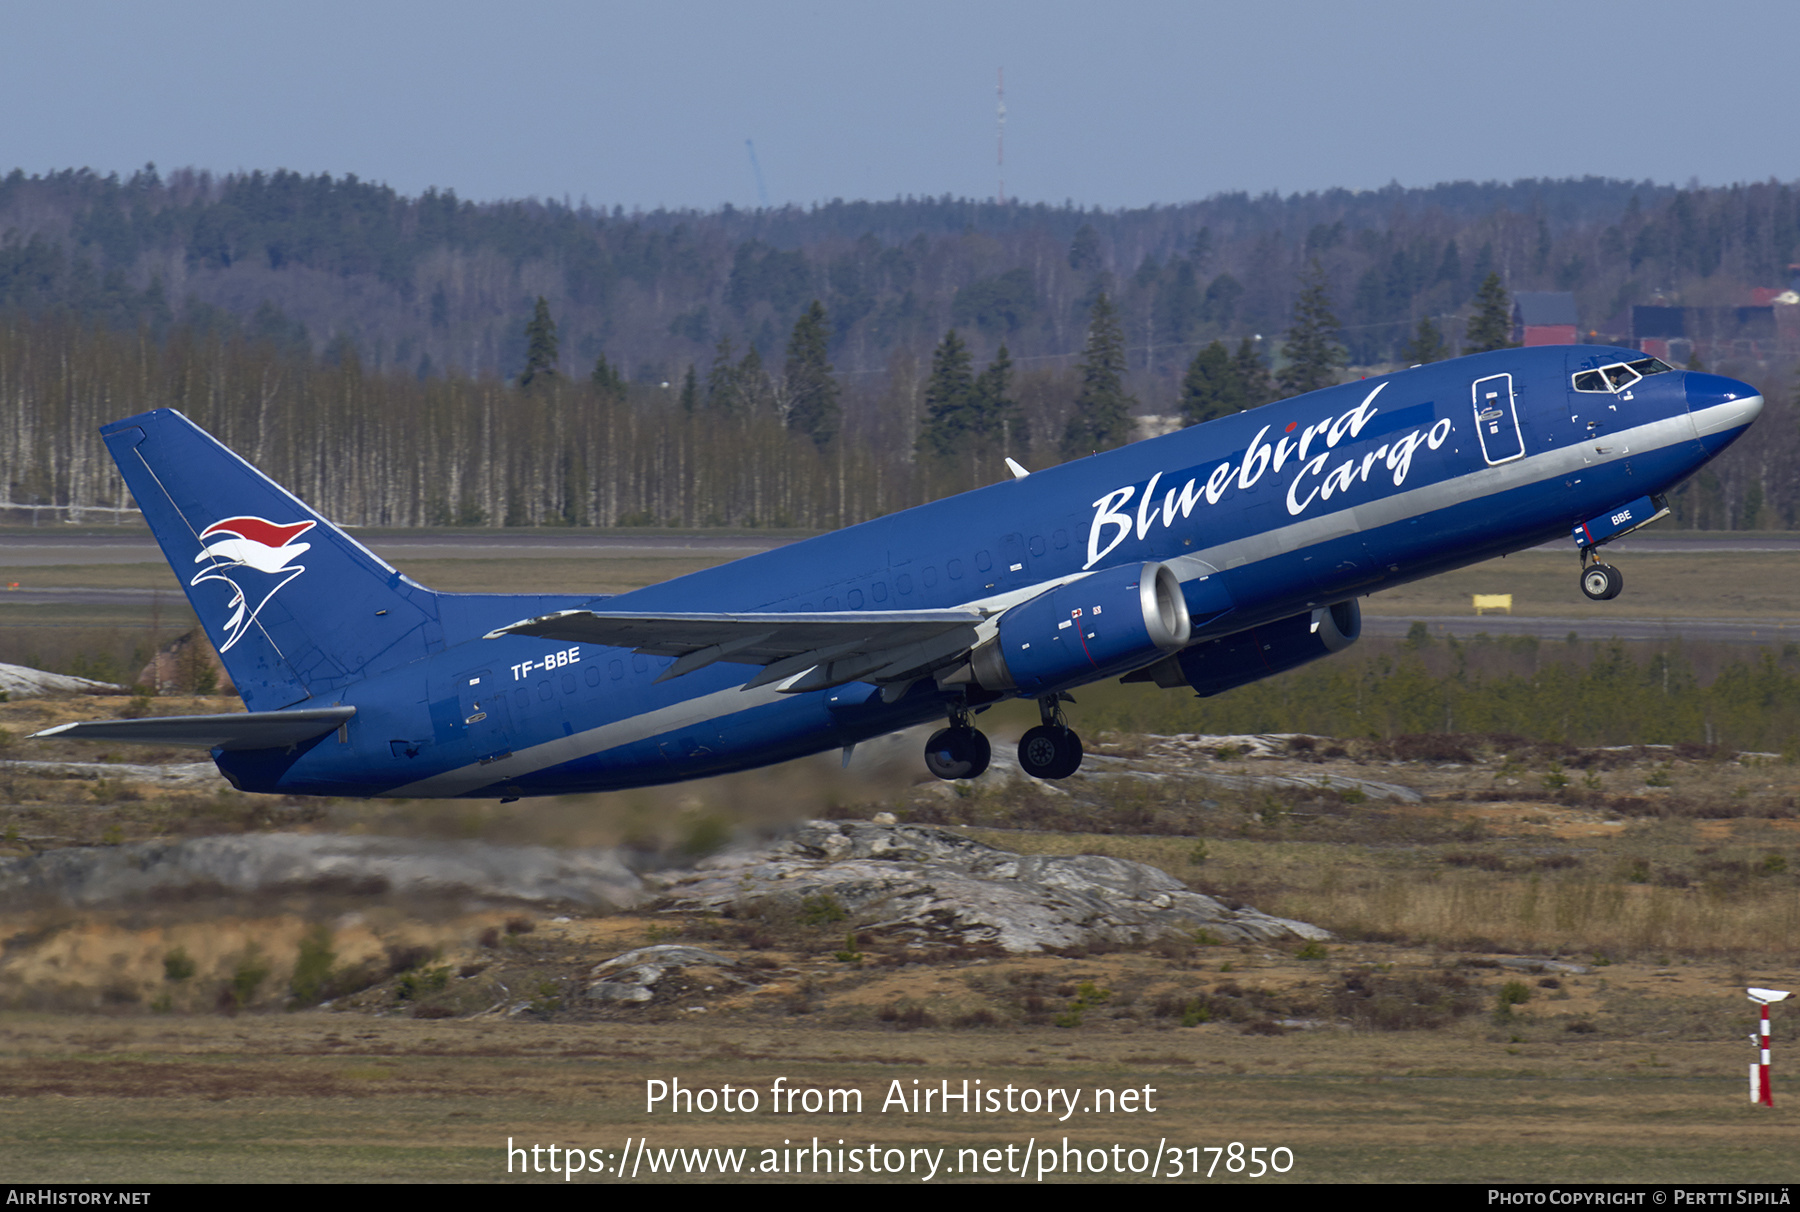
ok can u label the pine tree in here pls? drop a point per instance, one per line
(1084, 250)
(949, 401)
(1102, 416)
(812, 394)
(1427, 345)
(722, 393)
(690, 391)
(997, 416)
(1211, 387)
(1490, 327)
(1313, 350)
(755, 393)
(607, 380)
(540, 346)
(1253, 374)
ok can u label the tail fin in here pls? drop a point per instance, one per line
(296, 607)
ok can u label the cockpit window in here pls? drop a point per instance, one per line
(1620, 375)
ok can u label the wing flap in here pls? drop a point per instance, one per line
(238, 730)
(827, 648)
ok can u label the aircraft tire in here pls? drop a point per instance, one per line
(1048, 752)
(1601, 582)
(957, 753)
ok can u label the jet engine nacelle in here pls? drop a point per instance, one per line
(1237, 660)
(1102, 624)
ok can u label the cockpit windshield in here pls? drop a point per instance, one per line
(1620, 375)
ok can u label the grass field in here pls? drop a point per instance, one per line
(315, 1097)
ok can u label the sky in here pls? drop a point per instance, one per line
(1126, 104)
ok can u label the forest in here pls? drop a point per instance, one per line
(431, 360)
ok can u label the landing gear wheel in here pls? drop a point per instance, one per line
(1050, 752)
(957, 753)
(1601, 582)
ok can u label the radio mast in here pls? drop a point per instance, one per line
(1000, 132)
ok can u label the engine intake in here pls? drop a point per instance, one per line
(1105, 623)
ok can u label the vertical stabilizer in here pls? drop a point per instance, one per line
(296, 607)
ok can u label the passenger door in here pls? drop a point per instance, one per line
(1497, 420)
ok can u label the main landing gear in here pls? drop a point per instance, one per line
(960, 751)
(1049, 751)
(1600, 582)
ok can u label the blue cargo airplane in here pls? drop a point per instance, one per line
(1207, 558)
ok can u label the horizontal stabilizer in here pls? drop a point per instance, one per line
(239, 730)
(852, 644)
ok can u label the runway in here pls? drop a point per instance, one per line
(41, 548)
(1734, 631)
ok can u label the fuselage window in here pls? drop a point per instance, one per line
(903, 583)
(544, 691)
(929, 575)
(1591, 380)
(954, 568)
(568, 681)
(640, 662)
(522, 697)
(879, 589)
(1651, 366)
(1037, 545)
(854, 597)
(593, 675)
(983, 560)
(617, 669)
(1061, 539)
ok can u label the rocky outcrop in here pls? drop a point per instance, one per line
(24, 682)
(944, 887)
(638, 976)
(327, 863)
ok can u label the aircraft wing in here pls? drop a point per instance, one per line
(804, 651)
(238, 730)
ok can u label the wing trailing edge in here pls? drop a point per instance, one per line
(800, 652)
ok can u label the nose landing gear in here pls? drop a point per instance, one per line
(1600, 582)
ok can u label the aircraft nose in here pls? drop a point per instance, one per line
(1721, 408)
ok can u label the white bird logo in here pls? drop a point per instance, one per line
(250, 543)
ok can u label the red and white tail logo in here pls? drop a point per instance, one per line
(256, 558)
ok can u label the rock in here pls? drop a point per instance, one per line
(293, 862)
(634, 976)
(172, 774)
(23, 682)
(940, 885)
(1530, 964)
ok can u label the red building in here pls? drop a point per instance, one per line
(1544, 318)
